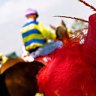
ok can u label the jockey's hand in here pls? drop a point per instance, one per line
(59, 44)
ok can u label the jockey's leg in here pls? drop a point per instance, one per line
(47, 49)
(51, 47)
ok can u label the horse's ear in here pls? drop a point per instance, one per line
(53, 27)
(63, 23)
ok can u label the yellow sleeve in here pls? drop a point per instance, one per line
(46, 32)
(4, 59)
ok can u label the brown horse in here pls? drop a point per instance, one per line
(63, 31)
(65, 35)
(17, 78)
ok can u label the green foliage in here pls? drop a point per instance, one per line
(12, 55)
(78, 25)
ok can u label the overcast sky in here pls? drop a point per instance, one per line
(12, 17)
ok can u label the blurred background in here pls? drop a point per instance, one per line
(12, 17)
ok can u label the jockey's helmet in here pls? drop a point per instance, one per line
(31, 12)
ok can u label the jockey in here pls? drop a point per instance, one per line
(3, 59)
(36, 36)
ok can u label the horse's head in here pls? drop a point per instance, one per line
(9, 63)
(19, 77)
(61, 31)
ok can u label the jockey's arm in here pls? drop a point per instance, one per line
(47, 33)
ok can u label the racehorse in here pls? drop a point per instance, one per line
(61, 32)
(74, 36)
(72, 71)
(17, 78)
